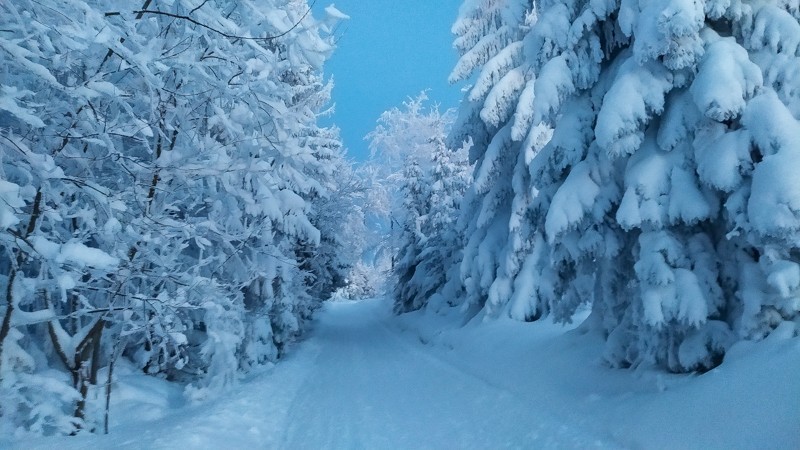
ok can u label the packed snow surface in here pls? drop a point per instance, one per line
(366, 379)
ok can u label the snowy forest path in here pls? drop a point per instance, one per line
(359, 381)
(372, 387)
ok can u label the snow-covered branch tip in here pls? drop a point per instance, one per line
(139, 13)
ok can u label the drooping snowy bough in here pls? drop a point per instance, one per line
(638, 156)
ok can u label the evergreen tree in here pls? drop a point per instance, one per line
(448, 180)
(495, 118)
(651, 199)
(425, 183)
(411, 240)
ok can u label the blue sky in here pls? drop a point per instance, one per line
(389, 50)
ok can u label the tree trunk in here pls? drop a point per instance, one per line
(5, 328)
(86, 366)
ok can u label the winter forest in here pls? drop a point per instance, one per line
(599, 247)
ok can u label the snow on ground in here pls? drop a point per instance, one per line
(365, 379)
(751, 401)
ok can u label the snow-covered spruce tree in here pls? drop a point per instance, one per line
(495, 117)
(154, 172)
(704, 248)
(429, 244)
(411, 240)
(424, 183)
(665, 193)
(439, 282)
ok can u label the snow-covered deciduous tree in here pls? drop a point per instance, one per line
(405, 134)
(664, 196)
(159, 170)
(339, 214)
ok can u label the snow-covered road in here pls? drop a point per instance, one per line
(371, 387)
